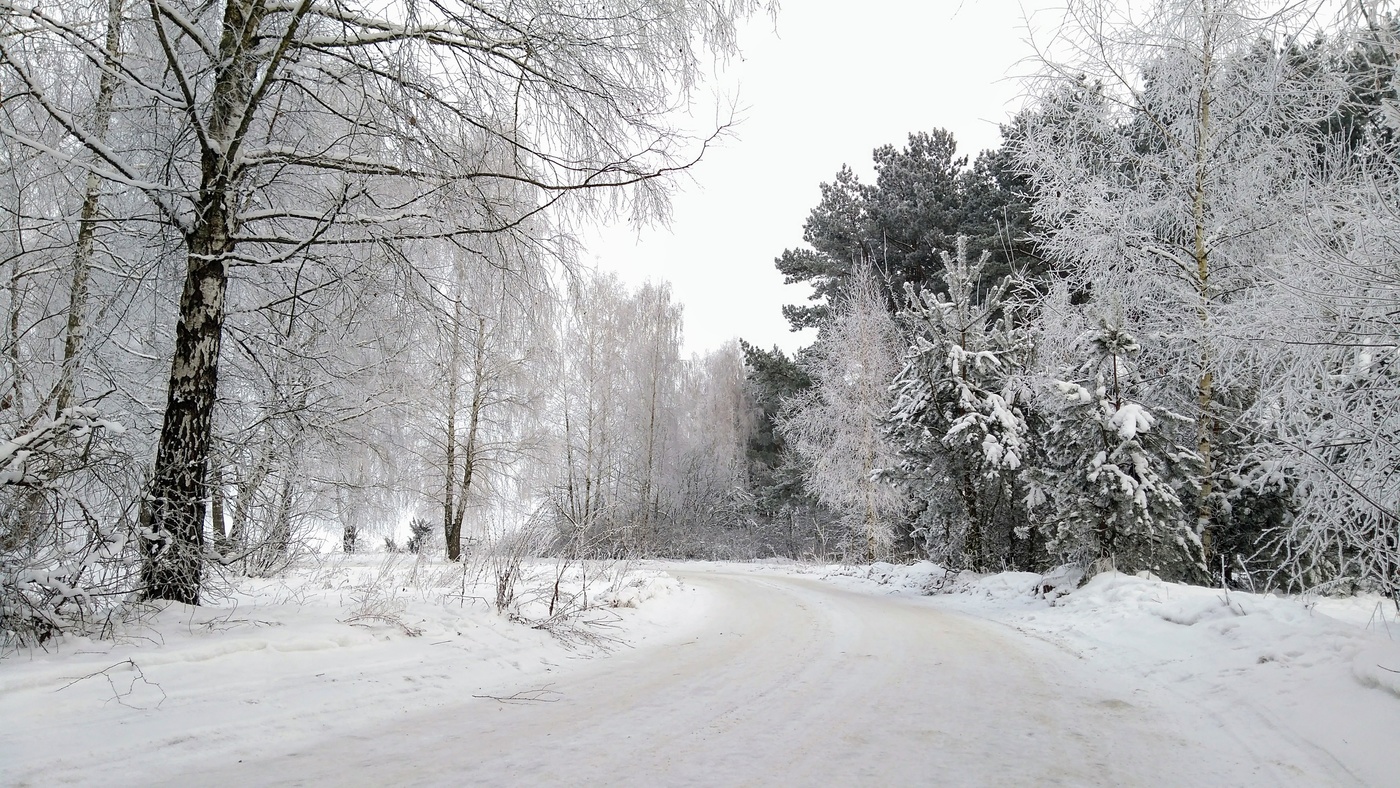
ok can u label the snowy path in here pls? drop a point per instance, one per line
(788, 681)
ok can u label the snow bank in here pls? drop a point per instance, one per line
(359, 639)
(1003, 586)
(923, 577)
(639, 586)
(1324, 673)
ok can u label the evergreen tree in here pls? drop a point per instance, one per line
(775, 472)
(1108, 479)
(923, 197)
(957, 416)
(420, 530)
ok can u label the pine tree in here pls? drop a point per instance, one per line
(1108, 475)
(924, 195)
(420, 530)
(772, 378)
(956, 415)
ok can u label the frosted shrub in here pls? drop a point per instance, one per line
(67, 553)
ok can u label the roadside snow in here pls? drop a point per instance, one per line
(362, 638)
(1322, 672)
(376, 670)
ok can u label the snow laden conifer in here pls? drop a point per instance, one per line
(1107, 480)
(837, 426)
(956, 416)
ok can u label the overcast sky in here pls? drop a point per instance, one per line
(832, 83)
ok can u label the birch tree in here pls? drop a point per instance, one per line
(653, 361)
(1330, 406)
(1169, 151)
(586, 408)
(617, 379)
(272, 130)
(714, 509)
(837, 426)
(498, 338)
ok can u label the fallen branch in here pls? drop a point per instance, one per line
(365, 620)
(542, 695)
(118, 695)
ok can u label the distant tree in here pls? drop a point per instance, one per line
(772, 378)
(615, 415)
(713, 513)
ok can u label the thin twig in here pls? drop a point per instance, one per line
(542, 695)
(118, 695)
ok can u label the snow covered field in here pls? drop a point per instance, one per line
(364, 672)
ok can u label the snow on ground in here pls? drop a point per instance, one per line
(374, 670)
(783, 680)
(1324, 672)
(363, 637)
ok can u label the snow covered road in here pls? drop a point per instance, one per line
(782, 680)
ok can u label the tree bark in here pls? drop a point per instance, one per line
(87, 219)
(469, 454)
(1205, 384)
(173, 519)
(454, 371)
(216, 508)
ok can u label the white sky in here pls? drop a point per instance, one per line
(835, 81)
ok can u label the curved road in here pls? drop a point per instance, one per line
(788, 681)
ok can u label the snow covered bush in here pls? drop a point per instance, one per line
(67, 552)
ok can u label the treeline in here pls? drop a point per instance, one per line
(1157, 329)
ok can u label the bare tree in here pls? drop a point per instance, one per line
(498, 337)
(838, 426)
(616, 420)
(274, 130)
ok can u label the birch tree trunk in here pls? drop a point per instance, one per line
(173, 520)
(454, 373)
(174, 512)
